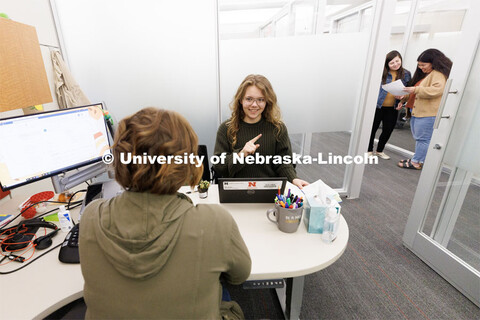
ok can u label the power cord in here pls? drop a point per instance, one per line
(20, 258)
(48, 201)
(70, 205)
(36, 258)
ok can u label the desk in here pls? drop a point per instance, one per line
(276, 254)
(47, 285)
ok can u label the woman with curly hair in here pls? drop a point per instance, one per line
(149, 253)
(255, 127)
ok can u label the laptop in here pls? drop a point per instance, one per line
(250, 190)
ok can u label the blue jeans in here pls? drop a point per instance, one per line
(422, 130)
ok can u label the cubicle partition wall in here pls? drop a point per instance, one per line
(134, 54)
(317, 78)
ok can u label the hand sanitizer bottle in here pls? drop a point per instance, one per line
(330, 225)
(65, 220)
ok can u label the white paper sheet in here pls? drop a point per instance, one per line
(396, 88)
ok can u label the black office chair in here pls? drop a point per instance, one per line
(202, 151)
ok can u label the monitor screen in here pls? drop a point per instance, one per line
(37, 146)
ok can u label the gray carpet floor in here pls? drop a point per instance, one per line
(377, 277)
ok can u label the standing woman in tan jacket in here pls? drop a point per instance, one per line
(428, 84)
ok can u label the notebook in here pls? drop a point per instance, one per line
(250, 190)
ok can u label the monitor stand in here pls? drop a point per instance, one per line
(101, 190)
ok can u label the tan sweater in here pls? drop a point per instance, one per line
(158, 257)
(428, 95)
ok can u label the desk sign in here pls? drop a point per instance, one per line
(248, 185)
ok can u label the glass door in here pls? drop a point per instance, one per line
(443, 228)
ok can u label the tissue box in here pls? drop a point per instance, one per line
(314, 213)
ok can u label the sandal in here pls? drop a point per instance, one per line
(405, 160)
(409, 165)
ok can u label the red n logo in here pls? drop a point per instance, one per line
(252, 184)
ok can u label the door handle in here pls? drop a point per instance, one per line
(446, 92)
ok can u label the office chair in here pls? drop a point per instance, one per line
(202, 151)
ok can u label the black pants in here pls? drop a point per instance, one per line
(388, 117)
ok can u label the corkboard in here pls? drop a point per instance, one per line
(23, 80)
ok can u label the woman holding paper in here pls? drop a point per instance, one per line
(255, 126)
(429, 81)
(386, 113)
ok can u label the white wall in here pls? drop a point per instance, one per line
(35, 13)
(134, 54)
(319, 76)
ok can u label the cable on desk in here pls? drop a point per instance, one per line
(23, 266)
(70, 199)
(34, 204)
(70, 205)
(22, 258)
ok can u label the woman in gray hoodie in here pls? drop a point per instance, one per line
(149, 252)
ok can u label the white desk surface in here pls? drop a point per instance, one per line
(47, 285)
(276, 254)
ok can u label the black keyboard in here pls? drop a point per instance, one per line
(69, 250)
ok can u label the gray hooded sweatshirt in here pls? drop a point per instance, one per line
(158, 256)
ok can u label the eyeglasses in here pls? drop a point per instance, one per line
(250, 101)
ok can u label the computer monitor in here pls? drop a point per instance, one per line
(37, 146)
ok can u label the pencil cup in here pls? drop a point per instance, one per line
(287, 220)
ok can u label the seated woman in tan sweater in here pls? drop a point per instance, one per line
(425, 93)
(149, 252)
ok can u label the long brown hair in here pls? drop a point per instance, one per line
(155, 132)
(439, 61)
(390, 56)
(271, 113)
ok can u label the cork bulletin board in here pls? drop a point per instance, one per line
(23, 80)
